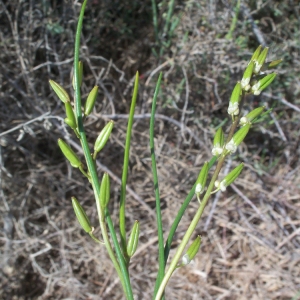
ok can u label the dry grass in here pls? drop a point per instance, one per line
(251, 233)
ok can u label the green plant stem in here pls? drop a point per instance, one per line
(178, 219)
(125, 166)
(122, 262)
(161, 259)
(155, 23)
(181, 213)
(125, 281)
(190, 230)
(197, 216)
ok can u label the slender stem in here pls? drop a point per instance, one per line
(180, 214)
(178, 219)
(122, 262)
(155, 23)
(161, 258)
(90, 163)
(197, 216)
(125, 166)
(190, 230)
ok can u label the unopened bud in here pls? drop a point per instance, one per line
(251, 116)
(218, 143)
(90, 102)
(192, 251)
(237, 138)
(133, 239)
(201, 180)
(230, 178)
(104, 191)
(103, 137)
(247, 76)
(70, 120)
(263, 83)
(59, 91)
(69, 154)
(235, 98)
(81, 216)
(260, 60)
(256, 53)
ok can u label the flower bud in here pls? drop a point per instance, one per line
(59, 91)
(103, 137)
(237, 138)
(256, 53)
(70, 120)
(69, 154)
(235, 98)
(218, 142)
(201, 180)
(270, 65)
(81, 216)
(90, 102)
(104, 191)
(230, 178)
(251, 116)
(247, 76)
(133, 239)
(192, 251)
(80, 71)
(263, 83)
(260, 60)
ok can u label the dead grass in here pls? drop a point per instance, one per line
(251, 235)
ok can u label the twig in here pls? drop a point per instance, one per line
(39, 118)
(186, 100)
(287, 239)
(280, 131)
(283, 101)
(169, 61)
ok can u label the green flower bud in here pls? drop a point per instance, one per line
(103, 137)
(263, 83)
(247, 76)
(251, 116)
(270, 65)
(274, 63)
(235, 98)
(80, 69)
(104, 191)
(230, 178)
(192, 251)
(218, 143)
(70, 123)
(238, 137)
(59, 91)
(133, 239)
(81, 216)
(256, 53)
(260, 60)
(90, 102)
(201, 180)
(70, 120)
(69, 154)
